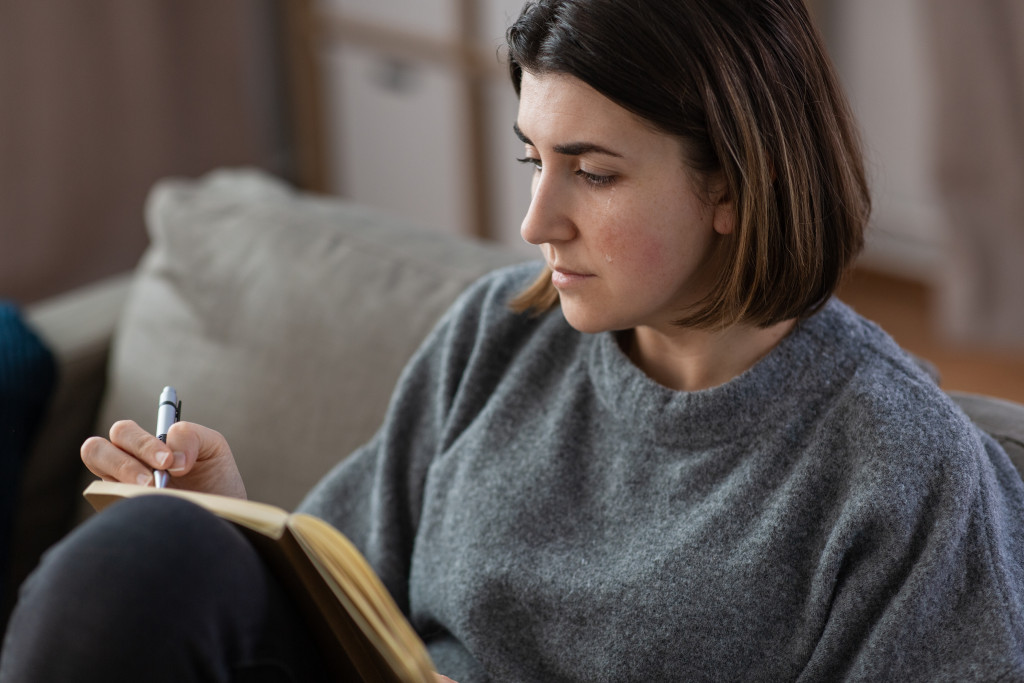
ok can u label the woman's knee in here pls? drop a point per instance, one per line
(150, 542)
(141, 574)
(138, 554)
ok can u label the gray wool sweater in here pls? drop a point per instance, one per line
(543, 511)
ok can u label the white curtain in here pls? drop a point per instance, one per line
(977, 48)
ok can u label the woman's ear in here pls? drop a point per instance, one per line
(722, 204)
(724, 219)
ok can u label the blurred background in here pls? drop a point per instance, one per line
(404, 104)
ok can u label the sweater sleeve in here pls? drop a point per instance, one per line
(929, 584)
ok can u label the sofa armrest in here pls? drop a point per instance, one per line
(1001, 419)
(78, 328)
(78, 325)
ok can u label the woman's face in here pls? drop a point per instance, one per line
(618, 217)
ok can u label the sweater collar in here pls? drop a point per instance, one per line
(816, 355)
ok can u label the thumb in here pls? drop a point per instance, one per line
(192, 443)
(202, 461)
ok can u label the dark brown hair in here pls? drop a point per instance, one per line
(749, 89)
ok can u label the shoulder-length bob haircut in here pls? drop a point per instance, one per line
(748, 88)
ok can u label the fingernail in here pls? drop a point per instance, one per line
(144, 479)
(179, 462)
(163, 459)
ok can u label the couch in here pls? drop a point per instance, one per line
(283, 320)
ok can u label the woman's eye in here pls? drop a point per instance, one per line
(532, 161)
(592, 179)
(595, 179)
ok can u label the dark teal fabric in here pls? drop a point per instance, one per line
(27, 376)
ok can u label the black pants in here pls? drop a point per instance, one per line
(156, 589)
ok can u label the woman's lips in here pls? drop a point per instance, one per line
(563, 278)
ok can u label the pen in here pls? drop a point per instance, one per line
(167, 413)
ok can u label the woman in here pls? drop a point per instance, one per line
(670, 454)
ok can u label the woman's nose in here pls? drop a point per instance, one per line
(549, 216)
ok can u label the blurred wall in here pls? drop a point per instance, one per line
(880, 48)
(419, 111)
(978, 51)
(938, 89)
(99, 99)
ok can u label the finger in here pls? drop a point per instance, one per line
(130, 437)
(190, 443)
(110, 463)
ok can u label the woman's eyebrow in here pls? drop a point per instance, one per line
(570, 148)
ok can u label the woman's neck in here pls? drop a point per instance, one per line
(688, 359)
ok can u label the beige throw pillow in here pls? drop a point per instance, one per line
(282, 319)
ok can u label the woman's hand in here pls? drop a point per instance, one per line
(197, 458)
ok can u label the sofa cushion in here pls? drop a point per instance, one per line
(282, 319)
